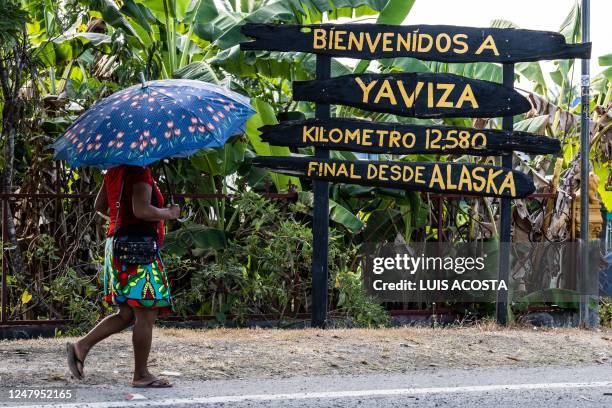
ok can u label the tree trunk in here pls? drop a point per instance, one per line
(11, 116)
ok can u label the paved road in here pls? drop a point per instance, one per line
(588, 386)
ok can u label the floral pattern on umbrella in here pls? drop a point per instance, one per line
(149, 122)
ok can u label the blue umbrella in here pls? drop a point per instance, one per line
(149, 122)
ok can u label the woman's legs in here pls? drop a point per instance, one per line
(141, 339)
(109, 325)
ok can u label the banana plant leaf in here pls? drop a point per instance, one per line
(337, 213)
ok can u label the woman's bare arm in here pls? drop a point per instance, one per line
(101, 204)
(142, 208)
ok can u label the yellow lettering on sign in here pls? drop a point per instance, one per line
(480, 186)
(340, 39)
(387, 43)
(488, 44)
(381, 133)
(418, 174)
(403, 43)
(433, 144)
(465, 180)
(372, 44)
(312, 168)
(479, 144)
(352, 136)
(409, 100)
(447, 43)
(508, 183)
(365, 88)
(367, 133)
(385, 91)
(335, 135)
(394, 138)
(372, 171)
(390, 42)
(459, 39)
(476, 179)
(491, 187)
(408, 144)
(318, 38)
(467, 96)
(382, 172)
(355, 42)
(449, 176)
(396, 173)
(443, 102)
(436, 178)
(429, 46)
(365, 139)
(430, 95)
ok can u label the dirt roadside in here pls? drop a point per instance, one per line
(258, 353)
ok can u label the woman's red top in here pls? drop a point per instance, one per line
(131, 175)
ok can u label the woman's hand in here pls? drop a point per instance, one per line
(142, 208)
(174, 211)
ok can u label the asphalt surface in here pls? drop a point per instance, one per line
(584, 386)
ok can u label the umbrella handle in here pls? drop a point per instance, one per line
(168, 185)
(188, 217)
(171, 196)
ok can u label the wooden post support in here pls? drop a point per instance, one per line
(320, 221)
(505, 233)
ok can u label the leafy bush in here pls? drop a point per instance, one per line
(81, 297)
(605, 312)
(264, 267)
(353, 301)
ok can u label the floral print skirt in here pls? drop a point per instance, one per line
(136, 285)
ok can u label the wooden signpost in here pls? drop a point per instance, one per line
(436, 177)
(397, 138)
(425, 42)
(419, 95)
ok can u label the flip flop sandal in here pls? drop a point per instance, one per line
(73, 362)
(156, 383)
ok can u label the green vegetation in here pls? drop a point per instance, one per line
(246, 254)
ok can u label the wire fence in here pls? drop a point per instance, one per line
(70, 221)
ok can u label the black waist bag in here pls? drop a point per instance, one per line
(134, 249)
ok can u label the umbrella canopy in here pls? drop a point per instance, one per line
(149, 122)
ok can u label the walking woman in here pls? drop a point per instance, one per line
(130, 198)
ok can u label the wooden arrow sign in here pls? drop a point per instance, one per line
(468, 179)
(397, 138)
(425, 42)
(419, 95)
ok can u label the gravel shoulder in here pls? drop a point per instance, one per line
(223, 354)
